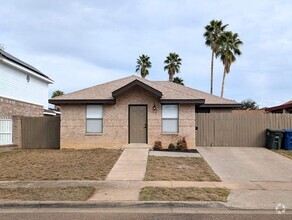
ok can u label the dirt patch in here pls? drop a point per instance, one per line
(184, 194)
(285, 153)
(179, 169)
(93, 164)
(80, 193)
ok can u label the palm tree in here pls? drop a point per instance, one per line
(178, 80)
(213, 31)
(143, 63)
(228, 49)
(173, 62)
(57, 93)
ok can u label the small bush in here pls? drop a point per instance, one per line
(182, 145)
(179, 145)
(171, 147)
(157, 145)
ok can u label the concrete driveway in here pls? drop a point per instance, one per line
(243, 164)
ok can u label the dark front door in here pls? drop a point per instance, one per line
(137, 124)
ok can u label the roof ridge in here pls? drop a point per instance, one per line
(198, 90)
(156, 83)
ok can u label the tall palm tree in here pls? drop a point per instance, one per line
(173, 62)
(227, 51)
(143, 63)
(178, 80)
(213, 31)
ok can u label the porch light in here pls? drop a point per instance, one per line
(154, 108)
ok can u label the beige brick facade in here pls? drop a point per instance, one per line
(13, 109)
(115, 123)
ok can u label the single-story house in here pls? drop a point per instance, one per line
(133, 110)
(285, 108)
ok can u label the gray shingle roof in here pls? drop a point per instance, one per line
(23, 64)
(169, 90)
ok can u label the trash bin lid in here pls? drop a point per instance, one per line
(275, 130)
(288, 130)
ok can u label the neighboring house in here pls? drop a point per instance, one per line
(285, 108)
(23, 92)
(133, 110)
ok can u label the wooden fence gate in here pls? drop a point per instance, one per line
(40, 132)
(238, 130)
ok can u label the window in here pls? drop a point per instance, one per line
(5, 131)
(170, 118)
(94, 119)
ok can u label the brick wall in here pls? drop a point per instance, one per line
(115, 123)
(13, 109)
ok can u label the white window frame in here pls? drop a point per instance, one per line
(94, 118)
(6, 130)
(170, 118)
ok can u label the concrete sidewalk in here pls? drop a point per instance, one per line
(99, 185)
(131, 165)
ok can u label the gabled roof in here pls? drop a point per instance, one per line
(134, 83)
(168, 92)
(23, 64)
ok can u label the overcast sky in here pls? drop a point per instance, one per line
(84, 43)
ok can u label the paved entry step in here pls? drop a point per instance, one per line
(130, 166)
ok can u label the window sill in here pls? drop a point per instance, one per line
(169, 133)
(93, 134)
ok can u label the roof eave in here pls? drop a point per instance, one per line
(279, 107)
(81, 101)
(26, 70)
(182, 101)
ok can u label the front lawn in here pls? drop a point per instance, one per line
(179, 169)
(93, 164)
(80, 193)
(184, 194)
(285, 153)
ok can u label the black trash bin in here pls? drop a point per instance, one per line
(274, 138)
(287, 139)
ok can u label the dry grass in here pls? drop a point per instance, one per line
(94, 164)
(184, 194)
(80, 193)
(284, 153)
(179, 169)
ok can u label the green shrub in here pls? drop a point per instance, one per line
(157, 145)
(171, 147)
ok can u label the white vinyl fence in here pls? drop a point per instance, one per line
(5, 131)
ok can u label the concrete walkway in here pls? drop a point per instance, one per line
(130, 166)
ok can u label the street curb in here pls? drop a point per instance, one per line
(104, 204)
(124, 204)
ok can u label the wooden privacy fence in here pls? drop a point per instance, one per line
(40, 132)
(234, 129)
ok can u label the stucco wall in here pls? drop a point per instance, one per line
(115, 123)
(12, 109)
